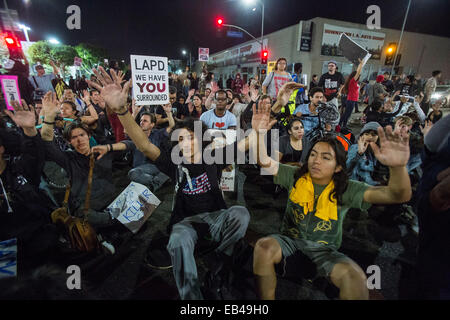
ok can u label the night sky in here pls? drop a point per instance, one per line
(163, 28)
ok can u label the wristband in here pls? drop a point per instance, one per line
(111, 147)
(51, 123)
(122, 114)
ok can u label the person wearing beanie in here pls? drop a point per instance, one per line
(360, 159)
(377, 92)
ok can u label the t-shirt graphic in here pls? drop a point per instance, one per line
(212, 121)
(199, 185)
(279, 82)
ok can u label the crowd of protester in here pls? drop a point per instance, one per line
(324, 167)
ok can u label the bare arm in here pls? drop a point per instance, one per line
(50, 110)
(115, 96)
(394, 153)
(93, 116)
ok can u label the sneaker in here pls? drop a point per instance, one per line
(157, 256)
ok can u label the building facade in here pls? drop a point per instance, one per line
(418, 53)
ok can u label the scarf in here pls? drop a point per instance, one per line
(303, 195)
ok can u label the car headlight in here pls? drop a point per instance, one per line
(436, 96)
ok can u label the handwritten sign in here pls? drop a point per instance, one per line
(8, 258)
(136, 204)
(203, 54)
(227, 180)
(150, 76)
(10, 88)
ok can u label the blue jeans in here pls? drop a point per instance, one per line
(350, 105)
(226, 227)
(148, 175)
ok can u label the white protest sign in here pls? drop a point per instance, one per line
(11, 92)
(228, 178)
(77, 61)
(150, 77)
(134, 211)
(203, 54)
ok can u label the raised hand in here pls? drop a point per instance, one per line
(362, 145)
(254, 93)
(214, 87)
(50, 104)
(115, 96)
(286, 90)
(86, 97)
(261, 121)
(167, 107)
(24, 115)
(120, 76)
(427, 127)
(245, 90)
(393, 150)
(191, 93)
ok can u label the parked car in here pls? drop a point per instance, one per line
(442, 92)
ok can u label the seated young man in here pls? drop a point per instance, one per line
(320, 195)
(198, 204)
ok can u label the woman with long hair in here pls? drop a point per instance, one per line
(351, 89)
(291, 145)
(275, 79)
(193, 108)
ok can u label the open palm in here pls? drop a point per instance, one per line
(24, 116)
(393, 150)
(286, 90)
(261, 121)
(114, 95)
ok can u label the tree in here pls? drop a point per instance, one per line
(91, 55)
(44, 52)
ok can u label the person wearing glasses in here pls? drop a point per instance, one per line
(219, 117)
(361, 160)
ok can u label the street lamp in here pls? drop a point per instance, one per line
(261, 2)
(53, 41)
(25, 30)
(184, 52)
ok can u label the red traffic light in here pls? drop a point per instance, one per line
(264, 56)
(219, 22)
(12, 42)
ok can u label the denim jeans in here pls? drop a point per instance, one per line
(226, 227)
(148, 175)
(350, 105)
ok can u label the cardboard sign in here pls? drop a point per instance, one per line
(353, 51)
(77, 61)
(203, 54)
(134, 211)
(8, 258)
(150, 77)
(228, 179)
(10, 87)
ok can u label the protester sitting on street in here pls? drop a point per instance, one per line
(276, 79)
(291, 145)
(403, 106)
(144, 171)
(68, 95)
(193, 108)
(320, 195)
(199, 203)
(316, 96)
(436, 114)
(361, 160)
(76, 165)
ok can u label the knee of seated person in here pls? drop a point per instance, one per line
(266, 249)
(180, 236)
(133, 174)
(239, 213)
(354, 273)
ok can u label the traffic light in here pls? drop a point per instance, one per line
(219, 22)
(14, 47)
(219, 25)
(264, 56)
(390, 53)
